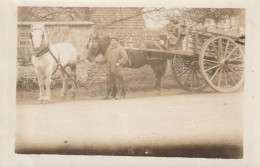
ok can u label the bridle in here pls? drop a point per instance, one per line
(45, 47)
(94, 44)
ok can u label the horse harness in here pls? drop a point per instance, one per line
(46, 50)
(46, 47)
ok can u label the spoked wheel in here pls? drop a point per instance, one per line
(187, 74)
(222, 64)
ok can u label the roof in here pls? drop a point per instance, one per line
(57, 23)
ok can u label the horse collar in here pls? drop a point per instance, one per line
(43, 51)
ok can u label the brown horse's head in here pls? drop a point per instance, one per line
(96, 45)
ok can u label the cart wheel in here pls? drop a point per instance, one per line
(222, 64)
(187, 74)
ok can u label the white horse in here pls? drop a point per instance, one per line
(44, 63)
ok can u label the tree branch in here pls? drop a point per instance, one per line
(129, 17)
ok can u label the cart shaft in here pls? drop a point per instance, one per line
(168, 52)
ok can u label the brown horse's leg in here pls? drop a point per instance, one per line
(159, 69)
(159, 79)
(73, 68)
(158, 74)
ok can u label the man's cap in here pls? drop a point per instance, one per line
(114, 37)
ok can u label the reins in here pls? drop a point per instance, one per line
(47, 49)
(64, 70)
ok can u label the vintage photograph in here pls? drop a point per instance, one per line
(130, 81)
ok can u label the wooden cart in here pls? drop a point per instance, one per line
(207, 57)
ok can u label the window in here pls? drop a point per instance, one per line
(24, 39)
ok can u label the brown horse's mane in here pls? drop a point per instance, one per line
(104, 44)
(103, 40)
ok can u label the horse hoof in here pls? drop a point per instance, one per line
(63, 98)
(47, 100)
(41, 100)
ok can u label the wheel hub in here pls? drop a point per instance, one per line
(195, 65)
(224, 62)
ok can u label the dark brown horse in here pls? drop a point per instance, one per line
(99, 42)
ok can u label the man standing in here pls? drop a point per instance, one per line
(115, 58)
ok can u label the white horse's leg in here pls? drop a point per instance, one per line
(74, 76)
(64, 85)
(40, 83)
(48, 84)
(48, 89)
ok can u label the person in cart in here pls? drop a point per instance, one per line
(115, 58)
(173, 35)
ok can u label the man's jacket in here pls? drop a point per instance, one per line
(115, 54)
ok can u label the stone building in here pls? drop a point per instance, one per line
(76, 31)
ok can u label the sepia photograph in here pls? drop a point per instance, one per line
(130, 81)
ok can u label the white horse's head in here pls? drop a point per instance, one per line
(38, 37)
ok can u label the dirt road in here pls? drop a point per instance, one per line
(184, 125)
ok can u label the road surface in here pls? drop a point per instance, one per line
(206, 125)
